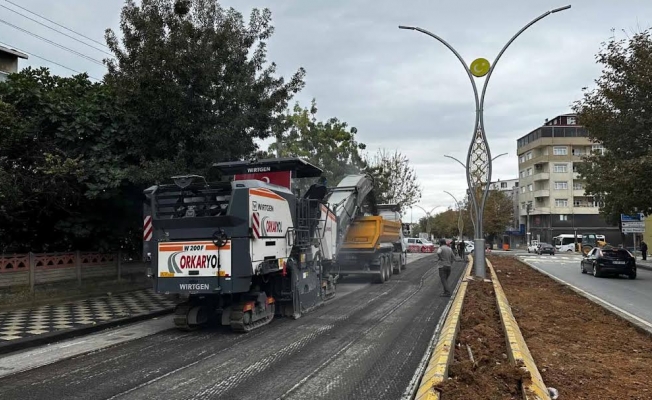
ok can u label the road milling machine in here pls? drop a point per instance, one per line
(249, 247)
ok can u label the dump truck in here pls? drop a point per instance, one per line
(374, 246)
(251, 246)
(591, 240)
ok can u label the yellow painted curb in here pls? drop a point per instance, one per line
(442, 355)
(532, 383)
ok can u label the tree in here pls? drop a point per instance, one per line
(498, 214)
(617, 114)
(394, 179)
(63, 145)
(196, 79)
(328, 145)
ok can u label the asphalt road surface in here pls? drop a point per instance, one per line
(632, 296)
(365, 344)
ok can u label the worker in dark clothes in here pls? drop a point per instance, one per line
(318, 190)
(316, 193)
(461, 249)
(644, 250)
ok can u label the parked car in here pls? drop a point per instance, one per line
(469, 246)
(609, 261)
(534, 245)
(419, 245)
(546, 248)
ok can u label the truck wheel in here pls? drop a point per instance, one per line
(396, 263)
(382, 274)
(388, 263)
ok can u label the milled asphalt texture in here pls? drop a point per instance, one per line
(364, 345)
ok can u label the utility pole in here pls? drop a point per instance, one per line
(527, 225)
(478, 159)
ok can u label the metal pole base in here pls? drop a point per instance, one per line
(478, 258)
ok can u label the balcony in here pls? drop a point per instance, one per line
(578, 193)
(540, 211)
(541, 176)
(542, 193)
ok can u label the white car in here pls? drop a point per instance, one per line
(533, 247)
(469, 246)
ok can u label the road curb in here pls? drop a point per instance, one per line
(645, 267)
(532, 386)
(639, 323)
(441, 354)
(55, 336)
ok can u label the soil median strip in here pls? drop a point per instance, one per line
(581, 349)
(532, 384)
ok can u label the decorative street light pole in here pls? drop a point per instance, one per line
(464, 166)
(478, 160)
(428, 214)
(460, 225)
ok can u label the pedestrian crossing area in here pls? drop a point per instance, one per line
(23, 323)
(548, 259)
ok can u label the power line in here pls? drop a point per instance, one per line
(51, 28)
(50, 61)
(57, 24)
(53, 43)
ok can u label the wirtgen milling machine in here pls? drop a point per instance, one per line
(247, 249)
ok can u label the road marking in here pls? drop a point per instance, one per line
(627, 315)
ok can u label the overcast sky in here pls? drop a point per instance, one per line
(401, 89)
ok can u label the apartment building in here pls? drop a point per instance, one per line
(551, 193)
(9, 61)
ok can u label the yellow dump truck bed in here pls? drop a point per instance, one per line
(367, 232)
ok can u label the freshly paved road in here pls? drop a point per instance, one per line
(366, 344)
(633, 296)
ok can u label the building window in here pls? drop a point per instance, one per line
(523, 174)
(523, 206)
(561, 185)
(529, 187)
(597, 149)
(571, 121)
(521, 159)
(503, 185)
(561, 202)
(528, 155)
(560, 150)
(576, 167)
(577, 186)
(577, 203)
(560, 168)
(563, 217)
(529, 172)
(522, 189)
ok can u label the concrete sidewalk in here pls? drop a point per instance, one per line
(647, 264)
(26, 327)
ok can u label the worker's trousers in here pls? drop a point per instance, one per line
(444, 273)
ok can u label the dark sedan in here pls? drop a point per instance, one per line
(609, 261)
(546, 248)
